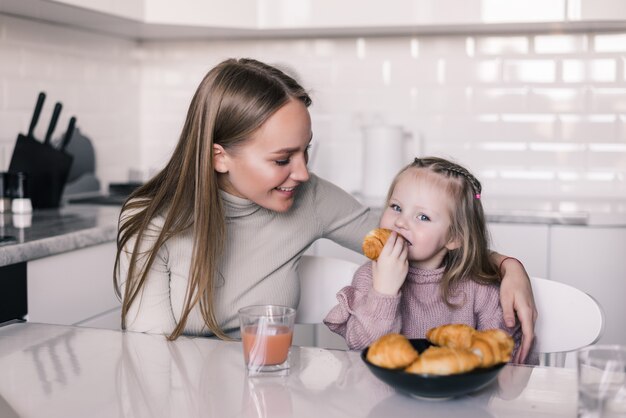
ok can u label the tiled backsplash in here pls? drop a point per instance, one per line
(533, 114)
(95, 77)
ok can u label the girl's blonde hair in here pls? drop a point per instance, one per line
(233, 100)
(471, 259)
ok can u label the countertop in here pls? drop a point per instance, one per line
(74, 226)
(594, 212)
(63, 371)
(53, 231)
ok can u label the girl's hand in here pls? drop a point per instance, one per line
(516, 297)
(392, 266)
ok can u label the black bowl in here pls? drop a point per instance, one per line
(432, 386)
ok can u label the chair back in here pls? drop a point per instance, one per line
(569, 318)
(320, 280)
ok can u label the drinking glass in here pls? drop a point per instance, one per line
(601, 376)
(266, 333)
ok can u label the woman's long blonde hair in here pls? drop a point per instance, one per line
(233, 100)
(471, 259)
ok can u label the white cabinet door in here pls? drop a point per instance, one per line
(594, 260)
(526, 242)
(71, 287)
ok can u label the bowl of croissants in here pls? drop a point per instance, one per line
(453, 360)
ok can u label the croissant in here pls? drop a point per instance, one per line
(451, 335)
(492, 346)
(374, 242)
(444, 361)
(392, 351)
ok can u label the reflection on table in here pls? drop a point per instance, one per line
(61, 371)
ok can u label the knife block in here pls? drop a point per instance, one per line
(47, 169)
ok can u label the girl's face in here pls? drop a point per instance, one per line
(419, 210)
(269, 167)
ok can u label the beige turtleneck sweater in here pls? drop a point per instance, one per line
(260, 257)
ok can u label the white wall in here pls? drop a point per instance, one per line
(95, 77)
(530, 114)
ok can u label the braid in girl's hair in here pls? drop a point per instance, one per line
(451, 167)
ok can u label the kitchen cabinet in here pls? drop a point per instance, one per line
(12, 292)
(159, 19)
(592, 259)
(72, 287)
(526, 242)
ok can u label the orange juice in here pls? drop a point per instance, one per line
(266, 349)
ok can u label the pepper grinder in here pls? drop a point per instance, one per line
(21, 201)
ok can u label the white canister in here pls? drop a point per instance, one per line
(383, 157)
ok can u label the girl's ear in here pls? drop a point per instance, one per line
(454, 243)
(220, 159)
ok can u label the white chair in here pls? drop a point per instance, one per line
(320, 280)
(569, 319)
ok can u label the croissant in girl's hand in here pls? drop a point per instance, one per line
(374, 242)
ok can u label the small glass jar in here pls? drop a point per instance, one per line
(21, 198)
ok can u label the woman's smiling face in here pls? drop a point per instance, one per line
(419, 209)
(269, 167)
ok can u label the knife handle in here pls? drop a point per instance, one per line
(36, 113)
(68, 133)
(53, 122)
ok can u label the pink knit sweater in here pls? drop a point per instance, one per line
(364, 315)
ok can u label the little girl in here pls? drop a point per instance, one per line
(434, 268)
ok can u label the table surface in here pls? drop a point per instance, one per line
(64, 371)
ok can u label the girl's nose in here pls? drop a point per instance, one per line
(300, 171)
(400, 221)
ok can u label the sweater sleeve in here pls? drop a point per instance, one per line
(151, 311)
(341, 217)
(363, 315)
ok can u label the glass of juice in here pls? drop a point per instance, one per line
(266, 333)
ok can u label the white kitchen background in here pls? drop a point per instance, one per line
(531, 114)
(537, 116)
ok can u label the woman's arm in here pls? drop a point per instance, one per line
(516, 298)
(151, 311)
(341, 217)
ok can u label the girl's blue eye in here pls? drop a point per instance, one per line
(423, 217)
(395, 207)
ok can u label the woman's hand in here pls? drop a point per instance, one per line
(516, 298)
(390, 270)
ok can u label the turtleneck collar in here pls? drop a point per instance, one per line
(235, 207)
(419, 275)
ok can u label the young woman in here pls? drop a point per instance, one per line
(224, 224)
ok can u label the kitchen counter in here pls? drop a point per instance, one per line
(541, 210)
(53, 231)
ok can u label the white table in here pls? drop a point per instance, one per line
(63, 371)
